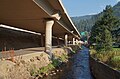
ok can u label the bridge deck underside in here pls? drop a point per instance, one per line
(27, 15)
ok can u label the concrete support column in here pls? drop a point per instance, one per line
(73, 41)
(48, 36)
(66, 39)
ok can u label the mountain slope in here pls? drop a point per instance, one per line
(116, 10)
(85, 23)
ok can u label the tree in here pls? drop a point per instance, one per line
(101, 31)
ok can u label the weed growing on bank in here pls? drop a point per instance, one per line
(112, 58)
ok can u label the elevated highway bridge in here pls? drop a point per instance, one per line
(47, 17)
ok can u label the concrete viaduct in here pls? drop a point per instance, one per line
(47, 17)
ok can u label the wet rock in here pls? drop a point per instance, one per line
(36, 77)
(61, 70)
(51, 74)
(46, 74)
(54, 73)
(57, 70)
(40, 76)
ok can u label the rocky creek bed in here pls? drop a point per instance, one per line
(76, 68)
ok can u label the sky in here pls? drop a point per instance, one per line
(86, 7)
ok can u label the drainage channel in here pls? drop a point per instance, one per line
(76, 68)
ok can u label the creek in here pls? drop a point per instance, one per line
(76, 68)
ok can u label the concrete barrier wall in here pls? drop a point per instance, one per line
(18, 40)
(55, 42)
(103, 71)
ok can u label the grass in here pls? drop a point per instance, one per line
(58, 59)
(45, 69)
(115, 62)
(111, 58)
(116, 49)
(53, 65)
(64, 57)
(33, 70)
(56, 62)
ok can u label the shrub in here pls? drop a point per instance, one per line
(46, 69)
(32, 72)
(55, 62)
(93, 51)
(115, 62)
(43, 70)
(104, 57)
(64, 57)
(111, 58)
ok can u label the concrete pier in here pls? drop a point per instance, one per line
(48, 36)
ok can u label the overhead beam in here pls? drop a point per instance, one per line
(48, 8)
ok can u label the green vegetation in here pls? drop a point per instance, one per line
(111, 58)
(116, 9)
(73, 52)
(32, 72)
(75, 48)
(45, 69)
(42, 70)
(101, 32)
(55, 62)
(115, 62)
(63, 58)
(85, 23)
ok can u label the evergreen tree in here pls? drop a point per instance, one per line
(101, 31)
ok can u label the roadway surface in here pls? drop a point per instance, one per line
(22, 52)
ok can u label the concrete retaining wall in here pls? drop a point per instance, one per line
(103, 71)
(18, 40)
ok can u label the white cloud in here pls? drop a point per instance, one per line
(92, 13)
(118, 0)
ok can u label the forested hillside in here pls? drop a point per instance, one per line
(85, 23)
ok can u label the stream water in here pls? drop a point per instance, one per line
(76, 68)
